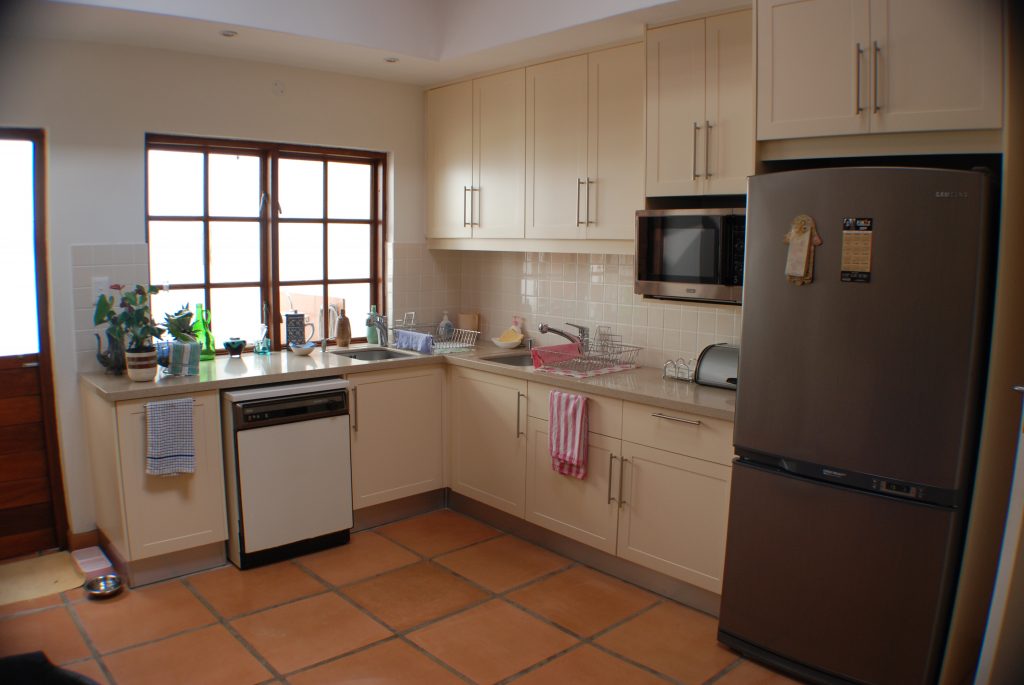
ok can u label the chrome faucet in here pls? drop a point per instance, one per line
(581, 339)
(381, 324)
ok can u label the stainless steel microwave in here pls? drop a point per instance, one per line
(690, 254)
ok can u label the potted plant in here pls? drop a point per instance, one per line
(182, 353)
(130, 331)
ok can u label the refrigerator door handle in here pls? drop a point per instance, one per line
(692, 422)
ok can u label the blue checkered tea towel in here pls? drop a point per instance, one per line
(170, 449)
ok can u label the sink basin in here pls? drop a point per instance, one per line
(513, 360)
(377, 354)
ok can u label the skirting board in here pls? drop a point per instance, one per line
(165, 566)
(389, 512)
(90, 538)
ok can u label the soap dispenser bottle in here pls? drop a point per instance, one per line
(371, 328)
(343, 329)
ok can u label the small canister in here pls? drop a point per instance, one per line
(295, 328)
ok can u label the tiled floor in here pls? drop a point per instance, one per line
(438, 598)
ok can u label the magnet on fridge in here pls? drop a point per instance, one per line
(802, 238)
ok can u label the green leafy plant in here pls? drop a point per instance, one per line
(179, 325)
(128, 317)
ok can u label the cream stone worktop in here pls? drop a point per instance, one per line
(644, 385)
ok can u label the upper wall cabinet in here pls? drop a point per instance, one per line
(700, 101)
(476, 158)
(836, 67)
(584, 145)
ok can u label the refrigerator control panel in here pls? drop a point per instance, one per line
(897, 488)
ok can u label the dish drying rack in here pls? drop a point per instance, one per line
(459, 340)
(601, 354)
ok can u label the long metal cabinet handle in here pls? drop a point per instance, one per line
(465, 189)
(857, 57)
(519, 397)
(878, 51)
(355, 411)
(676, 418)
(1019, 388)
(707, 144)
(589, 183)
(474, 207)
(579, 182)
(693, 173)
(610, 460)
(622, 464)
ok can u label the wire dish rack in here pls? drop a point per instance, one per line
(457, 340)
(604, 353)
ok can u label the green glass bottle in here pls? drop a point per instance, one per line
(204, 334)
(371, 330)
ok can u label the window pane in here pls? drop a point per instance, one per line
(234, 251)
(175, 183)
(300, 250)
(176, 252)
(348, 190)
(300, 188)
(348, 251)
(234, 185)
(18, 256)
(357, 304)
(307, 299)
(169, 301)
(234, 313)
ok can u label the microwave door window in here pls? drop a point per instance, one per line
(689, 255)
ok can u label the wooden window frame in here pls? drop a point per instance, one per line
(269, 220)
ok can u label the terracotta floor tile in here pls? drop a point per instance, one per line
(491, 642)
(90, 669)
(309, 630)
(394, 663)
(583, 600)
(232, 592)
(414, 594)
(437, 532)
(673, 640)
(30, 604)
(210, 656)
(588, 666)
(141, 615)
(503, 563)
(51, 631)
(749, 673)
(366, 554)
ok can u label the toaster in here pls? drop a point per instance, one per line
(718, 366)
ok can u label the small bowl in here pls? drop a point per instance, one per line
(303, 349)
(234, 346)
(507, 345)
(102, 587)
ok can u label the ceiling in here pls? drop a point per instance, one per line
(434, 41)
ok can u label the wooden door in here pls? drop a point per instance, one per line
(397, 445)
(729, 138)
(936, 65)
(489, 439)
(615, 158)
(556, 148)
(812, 68)
(499, 152)
(449, 160)
(675, 109)
(32, 511)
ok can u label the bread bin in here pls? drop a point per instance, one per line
(718, 366)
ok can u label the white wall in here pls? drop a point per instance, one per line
(96, 103)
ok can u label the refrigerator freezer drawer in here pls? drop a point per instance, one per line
(847, 583)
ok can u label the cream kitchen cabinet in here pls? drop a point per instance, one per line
(584, 145)
(396, 434)
(700, 101)
(836, 67)
(142, 517)
(476, 158)
(488, 438)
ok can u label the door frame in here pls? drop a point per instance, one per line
(45, 358)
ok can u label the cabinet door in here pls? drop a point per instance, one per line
(936, 64)
(583, 510)
(615, 158)
(556, 148)
(812, 68)
(729, 138)
(499, 151)
(170, 513)
(675, 109)
(674, 514)
(488, 439)
(449, 160)
(397, 444)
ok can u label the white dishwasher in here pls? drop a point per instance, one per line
(288, 470)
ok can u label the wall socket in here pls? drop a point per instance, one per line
(100, 285)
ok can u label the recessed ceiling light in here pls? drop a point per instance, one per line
(390, 60)
(228, 33)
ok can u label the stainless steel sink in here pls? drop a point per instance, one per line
(513, 360)
(377, 354)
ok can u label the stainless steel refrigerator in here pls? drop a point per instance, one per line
(857, 418)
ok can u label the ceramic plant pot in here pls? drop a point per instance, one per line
(141, 365)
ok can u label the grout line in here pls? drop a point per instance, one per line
(721, 674)
(77, 620)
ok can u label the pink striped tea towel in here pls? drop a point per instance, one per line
(567, 434)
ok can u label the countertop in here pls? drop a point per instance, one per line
(644, 385)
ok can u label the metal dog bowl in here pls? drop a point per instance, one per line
(102, 587)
